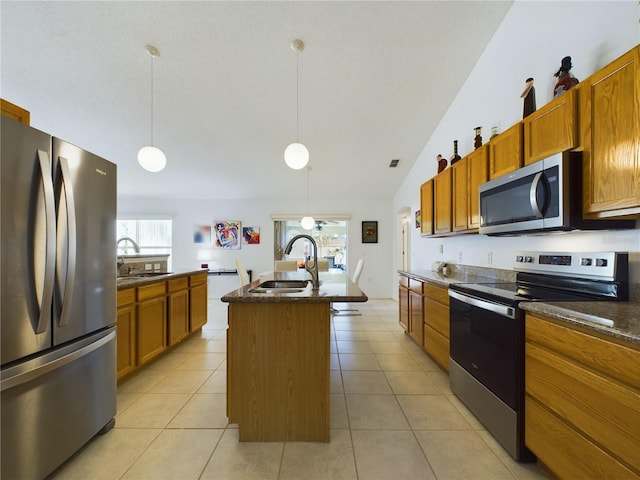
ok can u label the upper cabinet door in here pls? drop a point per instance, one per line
(442, 214)
(610, 131)
(506, 152)
(426, 208)
(552, 128)
(477, 173)
(460, 174)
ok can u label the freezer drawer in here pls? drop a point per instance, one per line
(52, 405)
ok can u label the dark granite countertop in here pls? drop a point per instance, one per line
(334, 287)
(460, 274)
(131, 281)
(615, 319)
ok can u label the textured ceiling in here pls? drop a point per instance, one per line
(374, 80)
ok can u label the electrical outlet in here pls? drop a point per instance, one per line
(147, 266)
(459, 256)
(490, 257)
(156, 266)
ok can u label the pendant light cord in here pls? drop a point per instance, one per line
(152, 58)
(297, 96)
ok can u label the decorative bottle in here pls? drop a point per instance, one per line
(455, 157)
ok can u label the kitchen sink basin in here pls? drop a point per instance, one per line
(280, 286)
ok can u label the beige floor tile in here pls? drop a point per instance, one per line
(411, 383)
(348, 346)
(125, 400)
(388, 347)
(195, 344)
(175, 454)
(376, 327)
(520, 470)
(152, 410)
(216, 383)
(336, 385)
(350, 335)
(181, 381)
(202, 361)
(141, 381)
(319, 461)
(107, 456)
(339, 418)
(397, 361)
(380, 336)
(233, 460)
(371, 412)
(441, 379)
(358, 361)
(334, 361)
(365, 382)
(461, 454)
(426, 363)
(217, 345)
(168, 360)
(388, 454)
(203, 410)
(431, 412)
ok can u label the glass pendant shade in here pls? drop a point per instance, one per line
(151, 158)
(307, 223)
(296, 156)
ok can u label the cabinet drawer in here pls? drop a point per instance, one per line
(176, 284)
(437, 316)
(125, 297)
(152, 290)
(437, 346)
(415, 286)
(438, 294)
(612, 359)
(404, 281)
(197, 279)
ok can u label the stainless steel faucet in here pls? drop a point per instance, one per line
(313, 271)
(136, 248)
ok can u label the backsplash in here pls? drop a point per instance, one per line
(137, 264)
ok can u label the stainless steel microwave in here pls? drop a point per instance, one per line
(544, 196)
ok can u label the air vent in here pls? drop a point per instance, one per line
(394, 163)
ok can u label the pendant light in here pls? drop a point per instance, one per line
(296, 155)
(152, 158)
(307, 221)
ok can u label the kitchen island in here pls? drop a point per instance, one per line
(278, 358)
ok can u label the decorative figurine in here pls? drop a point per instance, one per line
(477, 141)
(442, 163)
(529, 95)
(566, 80)
(455, 157)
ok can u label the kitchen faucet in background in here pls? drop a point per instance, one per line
(136, 247)
(313, 270)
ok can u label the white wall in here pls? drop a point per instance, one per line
(257, 213)
(530, 42)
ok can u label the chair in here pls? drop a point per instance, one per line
(286, 266)
(355, 279)
(242, 273)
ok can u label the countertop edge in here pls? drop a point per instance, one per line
(124, 283)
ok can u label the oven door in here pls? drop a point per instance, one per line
(487, 340)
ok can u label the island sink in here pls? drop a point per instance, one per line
(280, 286)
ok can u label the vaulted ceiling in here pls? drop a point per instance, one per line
(374, 80)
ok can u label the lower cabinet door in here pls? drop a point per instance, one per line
(152, 328)
(178, 316)
(126, 344)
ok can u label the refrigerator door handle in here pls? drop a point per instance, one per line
(50, 245)
(70, 276)
(32, 374)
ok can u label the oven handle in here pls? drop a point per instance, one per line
(503, 310)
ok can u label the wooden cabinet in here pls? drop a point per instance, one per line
(582, 402)
(415, 310)
(403, 303)
(505, 152)
(610, 134)
(126, 332)
(552, 128)
(197, 301)
(10, 110)
(436, 323)
(442, 202)
(178, 310)
(151, 321)
(468, 174)
(426, 208)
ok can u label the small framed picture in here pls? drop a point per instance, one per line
(370, 232)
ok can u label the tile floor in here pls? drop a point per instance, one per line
(393, 417)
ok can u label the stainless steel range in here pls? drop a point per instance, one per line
(487, 331)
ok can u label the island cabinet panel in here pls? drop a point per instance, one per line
(582, 402)
(151, 328)
(278, 371)
(552, 129)
(403, 303)
(505, 152)
(610, 132)
(197, 301)
(426, 208)
(442, 203)
(436, 324)
(178, 313)
(126, 332)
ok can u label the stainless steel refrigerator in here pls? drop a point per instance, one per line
(58, 300)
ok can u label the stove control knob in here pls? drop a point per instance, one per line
(585, 261)
(601, 262)
(519, 258)
(528, 259)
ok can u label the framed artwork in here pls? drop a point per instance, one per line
(202, 234)
(227, 234)
(418, 219)
(370, 232)
(251, 235)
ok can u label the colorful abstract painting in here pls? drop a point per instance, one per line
(227, 234)
(251, 235)
(202, 234)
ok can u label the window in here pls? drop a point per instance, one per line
(153, 236)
